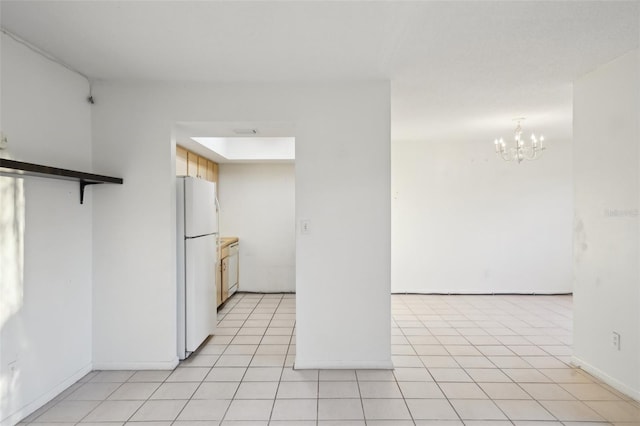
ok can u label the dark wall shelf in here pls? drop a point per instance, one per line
(20, 168)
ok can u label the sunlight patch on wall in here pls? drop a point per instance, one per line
(11, 246)
(12, 225)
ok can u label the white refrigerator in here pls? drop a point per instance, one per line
(197, 237)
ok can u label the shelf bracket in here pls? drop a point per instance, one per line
(82, 186)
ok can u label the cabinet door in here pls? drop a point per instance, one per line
(181, 161)
(210, 171)
(233, 265)
(225, 279)
(216, 167)
(192, 164)
(219, 284)
(202, 167)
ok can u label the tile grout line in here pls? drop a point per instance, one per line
(205, 376)
(105, 399)
(413, 420)
(364, 414)
(275, 396)
(226, 412)
(501, 370)
(489, 398)
(476, 383)
(427, 369)
(526, 322)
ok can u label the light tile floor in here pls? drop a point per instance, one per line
(460, 360)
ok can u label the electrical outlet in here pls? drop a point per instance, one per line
(616, 340)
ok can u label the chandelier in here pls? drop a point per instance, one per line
(520, 150)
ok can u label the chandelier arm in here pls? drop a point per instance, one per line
(530, 154)
(502, 152)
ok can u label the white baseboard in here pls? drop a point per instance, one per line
(165, 365)
(25, 411)
(306, 364)
(614, 383)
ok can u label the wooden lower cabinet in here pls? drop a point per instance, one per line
(219, 284)
(228, 270)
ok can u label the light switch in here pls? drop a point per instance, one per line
(305, 226)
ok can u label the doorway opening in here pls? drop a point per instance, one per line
(253, 165)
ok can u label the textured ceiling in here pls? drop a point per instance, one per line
(459, 70)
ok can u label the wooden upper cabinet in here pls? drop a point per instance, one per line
(215, 172)
(210, 170)
(192, 164)
(181, 161)
(202, 168)
(211, 175)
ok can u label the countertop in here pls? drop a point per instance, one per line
(227, 241)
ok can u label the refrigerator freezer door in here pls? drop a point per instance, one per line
(200, 290)
(200, 207)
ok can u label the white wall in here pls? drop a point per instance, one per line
(258, 206)
(607, 281)
(45, 234)
(465, 221)
(342, 187)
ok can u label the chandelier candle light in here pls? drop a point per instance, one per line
(521, 150)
